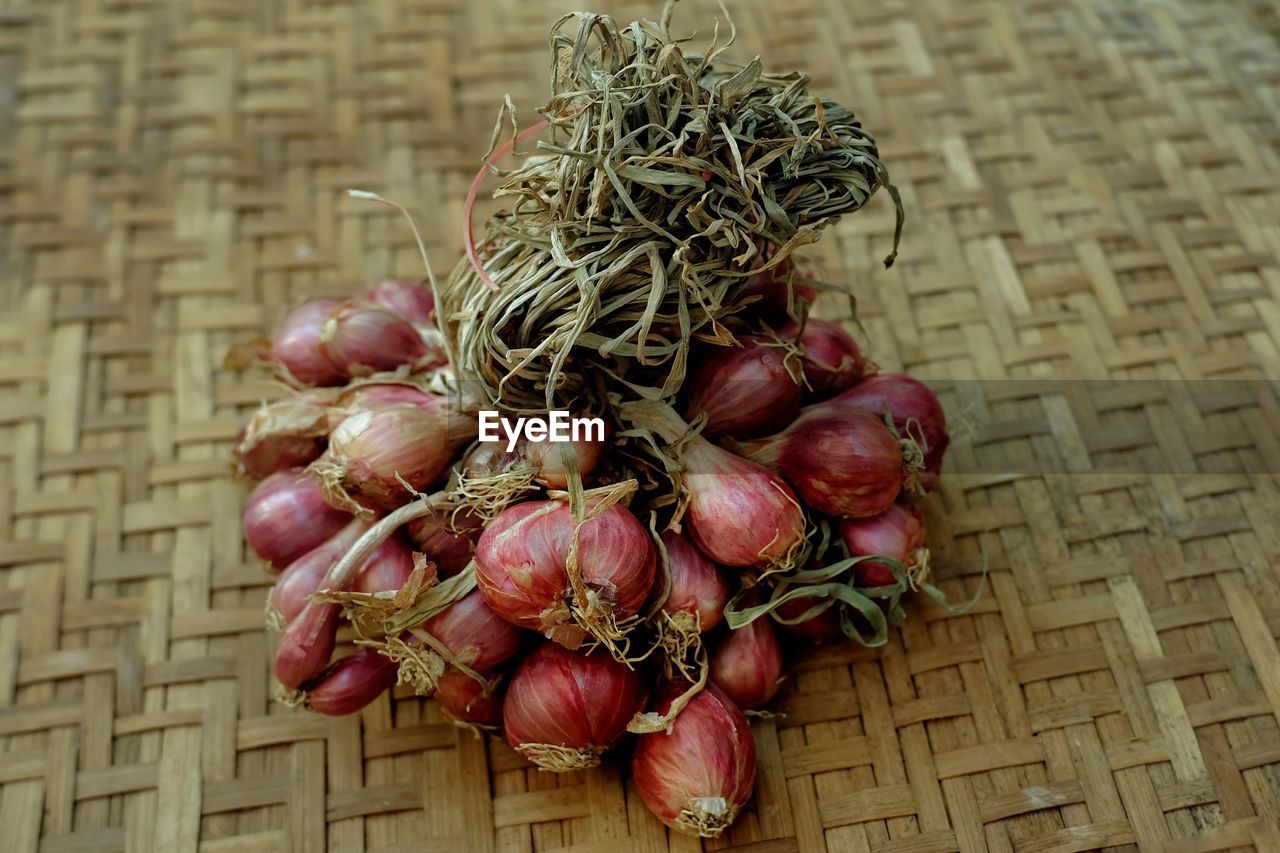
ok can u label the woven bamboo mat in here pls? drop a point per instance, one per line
(1091, 276)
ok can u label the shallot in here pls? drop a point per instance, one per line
(364, 338)
(377, 458)
(897, 533)
(351, 683)
(739, 512)
(697, 777)
(746, 391)
(842, 459)
(297, 344)
(286, 516)
(522, 567)
(832, 360)
(288, 433)
(564, 709)
(698, 590)
(915, 411)
(467, 701)
(747, 665)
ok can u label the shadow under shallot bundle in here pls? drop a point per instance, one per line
(745, 481)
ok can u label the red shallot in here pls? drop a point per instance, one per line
(286, 516)
(307, 644)
(739, 512)
(698, 590)
(303, 576)
(296, 344)
(548, 458)
(465, 700)
(745, 391)
(448, 542)
(697, 777)
(747, 665)
(361, 338)
(842, 459)
(375, 458)
(898, 533)
(388, 568)
(351, 683)
(915, 411)
(832, 360)
(563, 709)
(522, 567)
(406, 298)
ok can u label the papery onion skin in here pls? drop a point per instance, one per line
(303, 576)
(287, 433)
(362, 338)
(747, 664)
(898, 532)
(297, 344)
(461, 697)
(816, 629)
(697, 778)
(569, 699)
(286, 516)
(745, 391)
(521, 561)
(351, 683)
(697, 586)
(405, 297)
(739, 513)
(307, 645)
(474, 633)
(832, 360)
(914, 408)
(372, 455)
(387, 569)
(448, 548)
(841, 459)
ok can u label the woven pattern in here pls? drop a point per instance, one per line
(1093, 196)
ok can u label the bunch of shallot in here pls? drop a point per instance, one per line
(575, 595)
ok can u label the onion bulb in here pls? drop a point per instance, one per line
(563, 709)
(745, 391)
(296, 344)
(898, 532)
(361, 338)
(465, 701)
(747, 664)
(697, 587)
(915, 411)
(842, 460)
(739, 512)
(522, 568)
(409, 299)
(447, 542)
(699, 776)
(376, 457)
(304, 575)
(351, 683)
(832, 360)
(286, 516)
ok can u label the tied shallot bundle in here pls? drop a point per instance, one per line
(753, 482)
